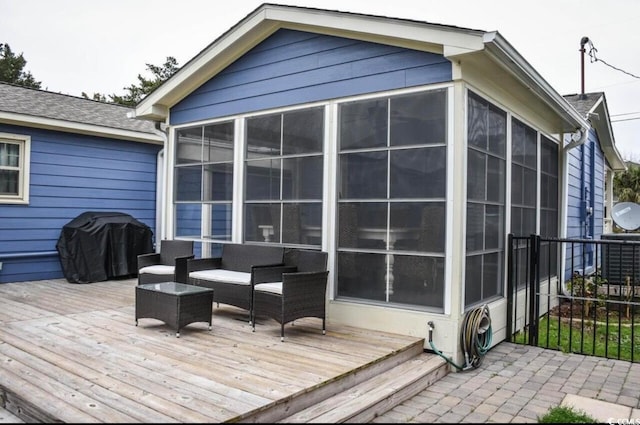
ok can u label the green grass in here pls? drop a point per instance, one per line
(616, 343)
(566, 415)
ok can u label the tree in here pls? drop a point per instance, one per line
(12, 68)
(135, 93)
(626, 184)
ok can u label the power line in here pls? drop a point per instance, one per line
(626, 113)
(626, 119)
(593, 58)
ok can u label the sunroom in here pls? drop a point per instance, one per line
(407, 151)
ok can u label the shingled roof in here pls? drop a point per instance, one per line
(584, 102)
(21, 105)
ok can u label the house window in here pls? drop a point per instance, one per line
(548, 207)
(524, 184)
(283, 177)
(486, 181)
(391, 199)
(14, 168)
(204, 181)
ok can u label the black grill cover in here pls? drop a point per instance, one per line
(99, 246)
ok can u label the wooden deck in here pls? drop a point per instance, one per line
(72, 353)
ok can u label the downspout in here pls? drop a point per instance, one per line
(161, 182)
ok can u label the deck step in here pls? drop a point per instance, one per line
(377, 395)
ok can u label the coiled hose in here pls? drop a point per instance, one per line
(475, 337)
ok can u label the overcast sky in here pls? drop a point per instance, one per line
(92, 46)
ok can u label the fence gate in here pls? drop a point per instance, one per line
(588, 306)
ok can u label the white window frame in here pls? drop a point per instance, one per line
(24, 143)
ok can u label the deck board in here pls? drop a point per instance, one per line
(79, 346)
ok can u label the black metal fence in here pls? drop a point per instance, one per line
(589, 306)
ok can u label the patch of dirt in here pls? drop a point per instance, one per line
(577, 310)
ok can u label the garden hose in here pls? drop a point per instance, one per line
(475, 338)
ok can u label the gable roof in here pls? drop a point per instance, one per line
(452, 42)
(593, 106)
(43, 109)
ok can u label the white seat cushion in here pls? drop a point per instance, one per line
(220, 275)
(272, 287)
(157, 269)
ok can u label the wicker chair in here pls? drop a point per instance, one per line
(301, 291)
(168, 265)
(233, 274)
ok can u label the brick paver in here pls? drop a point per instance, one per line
(517, 384)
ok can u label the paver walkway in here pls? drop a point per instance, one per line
(518, 384)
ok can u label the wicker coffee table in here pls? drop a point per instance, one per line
(174, 303)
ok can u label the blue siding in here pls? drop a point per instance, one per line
(585, 170)
(71, 174)
(293, 67)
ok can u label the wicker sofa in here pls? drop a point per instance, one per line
(233, 274)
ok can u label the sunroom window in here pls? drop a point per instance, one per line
(283, 177)
(486, 181)
(524, 184)
(391, 199)
(204, 181)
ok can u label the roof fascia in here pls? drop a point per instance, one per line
(79, 128)
(506, 56)
(602, 124)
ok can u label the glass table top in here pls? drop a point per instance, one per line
(174, 288)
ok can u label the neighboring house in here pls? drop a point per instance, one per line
(406, 150)
(591, 164)
(60, 156)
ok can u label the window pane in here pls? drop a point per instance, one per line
(477, 122)
(9, 155)
(302, 223)
(9, 182)
(524, 144)
(218, 182)
(189, 183)
(302, 178)
(362, 225)
(528, 221)
(529, 182)
(496, 179)
(418, 118)
(262, 222)
(497, 131)
(311, 223)
(418, 280)
(476, 175)
(220, 222)
(549, 157)
(493, 222)
(362, 275)
(189, 145)
(263, 179)
(363, 175)
(303, 131)
(363, 124)
(473, 280)
(475, 227)
(491, 275)
(517, 185)
(218, 142)
(263, 136)
(188, 220)
(418, 226)
(418, 173)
